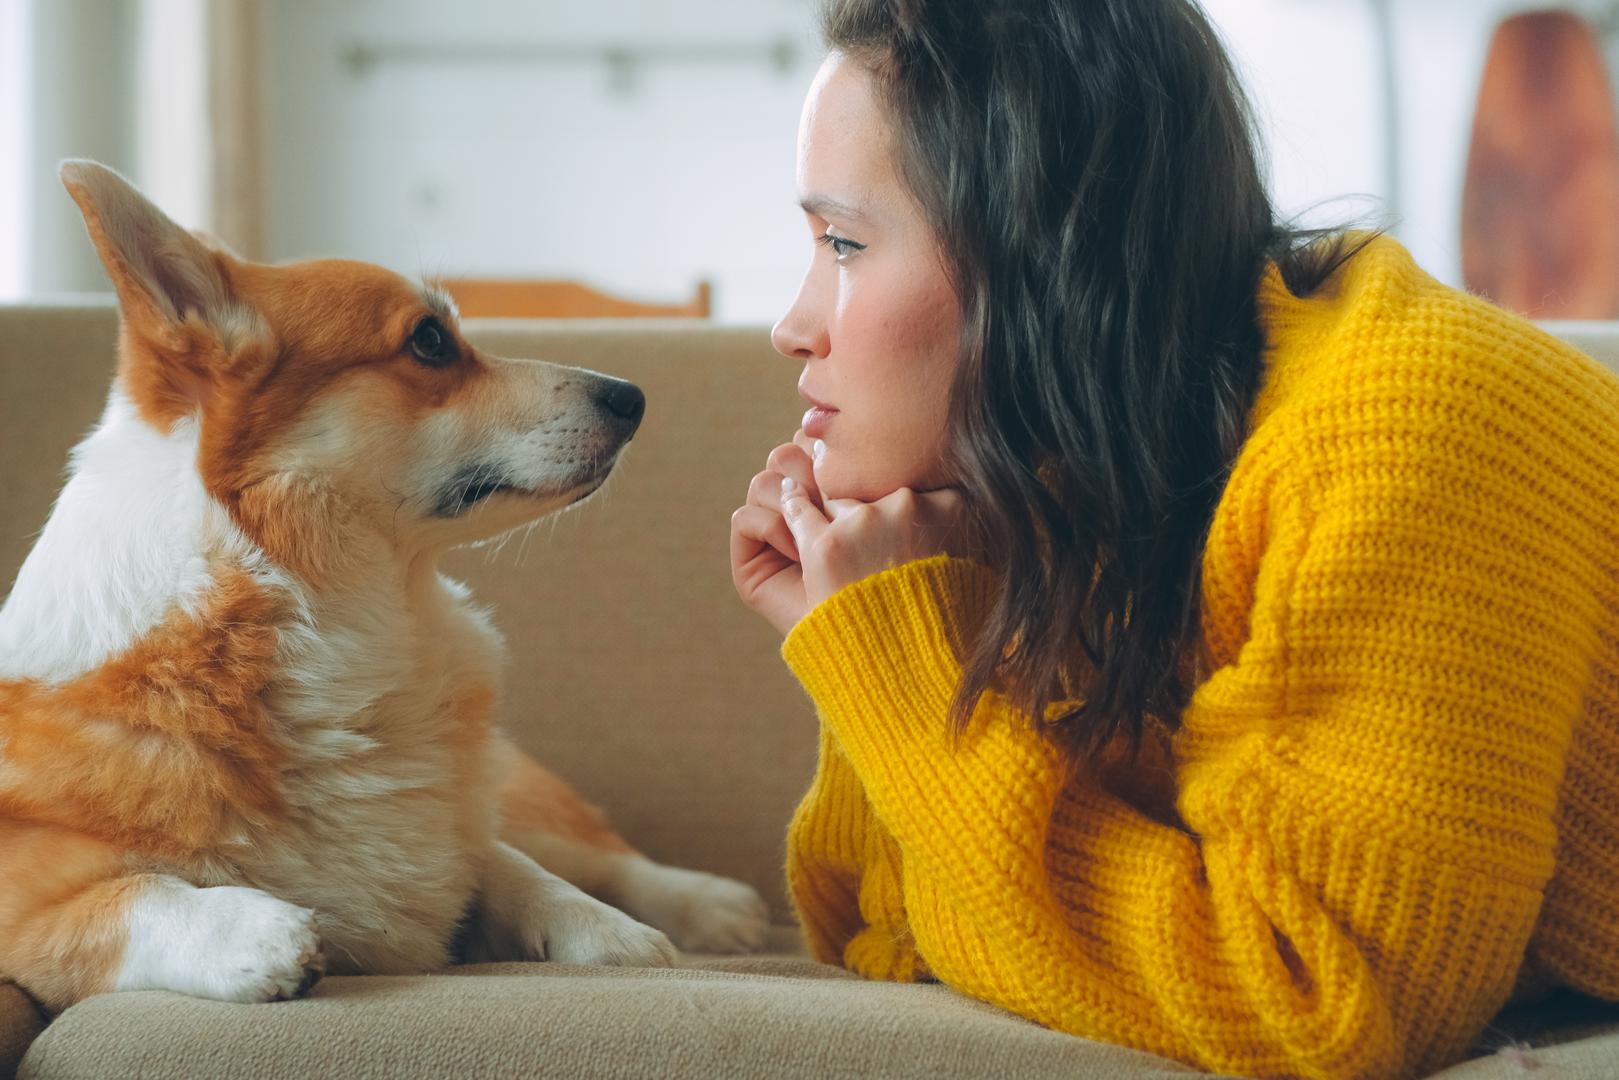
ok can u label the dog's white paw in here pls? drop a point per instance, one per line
(581, 930)
(225, 943)
(264, 949)
(700, 912)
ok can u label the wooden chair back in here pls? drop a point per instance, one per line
(480, 298)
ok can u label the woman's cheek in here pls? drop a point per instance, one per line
(895, 439)
(895, 391)
(869, 468)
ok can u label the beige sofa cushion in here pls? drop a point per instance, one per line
(778, 1016)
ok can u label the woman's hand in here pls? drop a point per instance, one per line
(791, 549)
(764, 556)
(844, 540)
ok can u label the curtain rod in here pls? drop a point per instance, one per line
(361, 58)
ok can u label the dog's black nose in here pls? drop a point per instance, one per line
(624, 401)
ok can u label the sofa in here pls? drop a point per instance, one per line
(637, 674)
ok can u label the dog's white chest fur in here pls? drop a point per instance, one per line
(385, 707)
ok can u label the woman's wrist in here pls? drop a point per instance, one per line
(847, 541)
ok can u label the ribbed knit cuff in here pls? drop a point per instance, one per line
(892, 638)
(879, 660)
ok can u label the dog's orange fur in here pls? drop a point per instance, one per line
(329, 321)
(158, 749)
(156, 753)
(332, 322)
(534, 797)
(61, 930)
(335, 322)
(338, 321)
(164, 749)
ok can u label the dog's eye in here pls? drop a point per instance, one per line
(432, 344)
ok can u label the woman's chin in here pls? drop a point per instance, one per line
(868, 486)
(836, 481)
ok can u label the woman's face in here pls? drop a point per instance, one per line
(875, 322)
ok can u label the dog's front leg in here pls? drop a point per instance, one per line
(528, 913)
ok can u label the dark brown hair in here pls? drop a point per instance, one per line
(1091, 172)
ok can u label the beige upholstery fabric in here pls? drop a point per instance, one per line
(736, 1017)
(636, 674)
(731, 1018)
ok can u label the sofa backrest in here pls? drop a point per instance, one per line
(635, 672)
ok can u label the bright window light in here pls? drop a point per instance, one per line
(14, 140)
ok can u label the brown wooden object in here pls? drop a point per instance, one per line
(1540, 210)
(496, 298)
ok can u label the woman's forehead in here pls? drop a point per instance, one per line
(845, 162)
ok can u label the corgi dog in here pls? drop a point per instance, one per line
(247, 728)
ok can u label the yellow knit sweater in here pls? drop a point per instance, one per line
(1394, 796)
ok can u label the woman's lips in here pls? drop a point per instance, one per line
(816, 421)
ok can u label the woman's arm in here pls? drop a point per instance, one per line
(1367, 785)
(844, 871)
(825, 846)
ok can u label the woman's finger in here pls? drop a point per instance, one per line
(790, 459)
(804, 518)
(753, 526)
(768, 581)
(765, 490)
(814, 448)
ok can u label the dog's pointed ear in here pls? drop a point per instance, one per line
(164, 275)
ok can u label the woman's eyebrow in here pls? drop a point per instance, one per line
(823, 206)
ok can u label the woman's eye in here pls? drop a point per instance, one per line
(842, 246)
(431, 344)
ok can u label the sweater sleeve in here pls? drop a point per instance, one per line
(825, 843)
(1366, 793)
(844, 875)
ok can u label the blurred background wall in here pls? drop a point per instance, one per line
(637, 146)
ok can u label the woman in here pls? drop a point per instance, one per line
(1214, 630)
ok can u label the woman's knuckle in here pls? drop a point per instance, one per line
(763, 482)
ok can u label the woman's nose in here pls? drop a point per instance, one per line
(801, 333)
